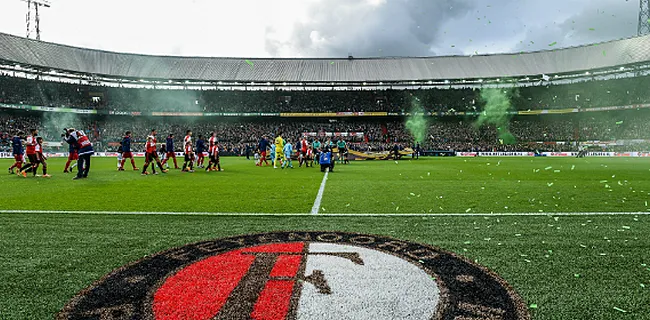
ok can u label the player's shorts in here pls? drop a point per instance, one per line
(199, 154)
(303, 152)
(39, 158)
(189, 157)
(127, 155)
(151, 156)
(263, 155)
(171, 155)
(214, 158)
(32, 158)
(73, 156)
(18, 157)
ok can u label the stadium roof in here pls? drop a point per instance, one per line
(23, 51)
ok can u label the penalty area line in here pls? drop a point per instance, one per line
(319, 196)
(387, 215)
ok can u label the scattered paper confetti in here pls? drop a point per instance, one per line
(573, 167)
(250, 63)
(619, 122)
(347, 205)
(332, 62)
(552, 44)
(533, 306)
(413, 194)
(604, 53)
(577, 275)
(620, 310)
(550, 184)
(548, 168)
(592, 29)
(468, 210)
(556, 171)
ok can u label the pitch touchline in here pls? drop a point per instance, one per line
(319, 196)
(253, 214)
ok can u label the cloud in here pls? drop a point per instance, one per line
(337, 28)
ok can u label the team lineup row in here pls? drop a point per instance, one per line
(28, 150)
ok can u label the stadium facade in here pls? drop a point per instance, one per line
(618, 57)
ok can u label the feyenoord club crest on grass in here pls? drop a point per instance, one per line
(300, 275)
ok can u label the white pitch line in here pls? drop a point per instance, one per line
(319, 196)
(388, 215)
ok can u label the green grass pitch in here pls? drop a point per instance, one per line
(571, 267)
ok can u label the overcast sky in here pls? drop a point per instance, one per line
(326, 28)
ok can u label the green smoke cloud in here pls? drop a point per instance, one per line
(416, 123)
(496, 112)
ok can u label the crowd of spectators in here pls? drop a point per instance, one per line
(589, 94)
(379, 134)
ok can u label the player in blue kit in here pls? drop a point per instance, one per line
(169, 143)
(200, 148)
(17, 151)
(287, 150)
(126, 151)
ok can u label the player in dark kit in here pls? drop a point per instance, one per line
(126, 151)
(17, 151)
(73, 155)
(263, 146)
(200, 148)
(86, 150)
(170, 151)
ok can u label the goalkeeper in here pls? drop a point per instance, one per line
(279, 150)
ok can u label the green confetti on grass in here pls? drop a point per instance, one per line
(468, 210)
(250, 63)
(577, 275)
(620, 310)
(548, 168)
(592, 29)
(619, 122)
(550, 184)
(533, 306)
(642, 285)
(467, 242)
(347, 205)
(573, 167)
(603, 181)
(552, 44)
(556, 171)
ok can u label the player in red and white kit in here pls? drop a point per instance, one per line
(151, 154)
(188, 139)
(213, 151)
(188, 166)
(30, 151)
(304, 148)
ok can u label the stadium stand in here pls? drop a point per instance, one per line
(132, 94)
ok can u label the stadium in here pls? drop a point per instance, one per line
(487, 186)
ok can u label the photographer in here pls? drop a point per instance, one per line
(79, 138)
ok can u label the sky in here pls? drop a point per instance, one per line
(326, 28)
